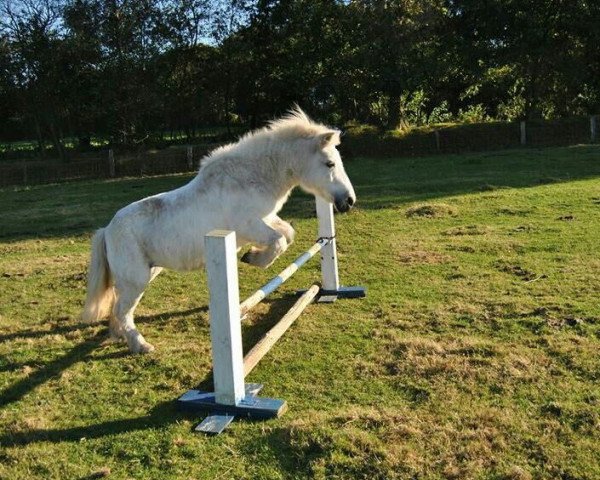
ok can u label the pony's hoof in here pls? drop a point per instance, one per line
(253, 258)
(145, 348)
(141, 347)
(247, 258)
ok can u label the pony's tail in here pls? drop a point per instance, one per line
(100, 293)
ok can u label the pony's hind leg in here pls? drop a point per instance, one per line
(128, 299)
(116, 332)
(131, 274)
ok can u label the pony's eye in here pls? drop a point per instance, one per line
(330, 164)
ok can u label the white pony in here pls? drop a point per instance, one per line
(241, 187)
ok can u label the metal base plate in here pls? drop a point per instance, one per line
(329, 296)
(222, 415)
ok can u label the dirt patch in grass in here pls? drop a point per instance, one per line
(468, 230)
(518, 271)
(461, 358)
(431, 210)
(514, 212)
(461, 248)
(523, 228)
(556, 317)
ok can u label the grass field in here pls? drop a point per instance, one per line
(474, 355)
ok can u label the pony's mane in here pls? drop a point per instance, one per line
(293, 125)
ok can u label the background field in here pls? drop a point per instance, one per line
(475, 354)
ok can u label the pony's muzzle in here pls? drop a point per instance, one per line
(344, 204)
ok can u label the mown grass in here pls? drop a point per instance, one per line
(474, 355)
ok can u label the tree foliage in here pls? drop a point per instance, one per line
(131, 70)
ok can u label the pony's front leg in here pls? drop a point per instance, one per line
(284, 228)
(271, 243)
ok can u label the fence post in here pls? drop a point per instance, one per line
(329, 264)
(111, 163)
(220, 249)
(190, 157)
(523, 132)
(437, 140)
(594, 128)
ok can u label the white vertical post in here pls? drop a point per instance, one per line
(329, 265)
(225, 325)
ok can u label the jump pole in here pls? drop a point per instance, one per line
(269, 339)
(232, 397)
(285, 274)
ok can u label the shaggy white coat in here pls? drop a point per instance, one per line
(240, 187)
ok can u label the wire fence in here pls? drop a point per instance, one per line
(441, 139)
(106, 164)
(475, 137)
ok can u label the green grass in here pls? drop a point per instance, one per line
(474, 355)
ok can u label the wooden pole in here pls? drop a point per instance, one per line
(270, 338)
(594, 128)
(523, 132)
(224, 311)
(437, 140)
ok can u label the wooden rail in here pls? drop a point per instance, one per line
(269, 339)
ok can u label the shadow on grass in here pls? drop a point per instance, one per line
(163, 414)
(166, 316)
(18, 390)
(35, 333)
(61, 330)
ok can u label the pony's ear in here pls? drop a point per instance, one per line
(328, 138)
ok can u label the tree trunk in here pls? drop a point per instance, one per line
(57, 143)
(40, 138)
(227, 117)
(393, 111)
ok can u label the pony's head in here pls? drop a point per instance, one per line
(324, 174)
(319, 166)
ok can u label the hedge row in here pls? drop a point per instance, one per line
(474, 137)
